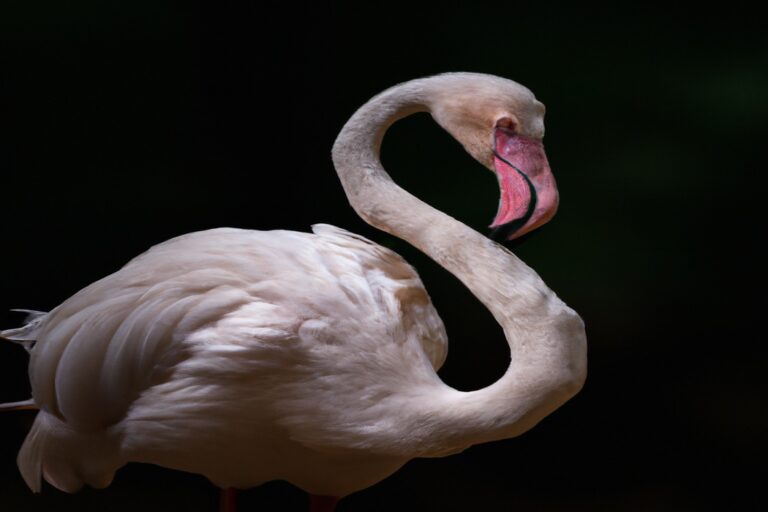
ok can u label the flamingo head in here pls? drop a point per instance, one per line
(501, 124)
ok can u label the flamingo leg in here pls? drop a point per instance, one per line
(322, 503)
(228, 500)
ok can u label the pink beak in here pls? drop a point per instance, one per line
(529, 195)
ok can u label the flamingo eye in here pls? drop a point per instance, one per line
(507, 123)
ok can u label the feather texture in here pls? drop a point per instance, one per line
(210, 322)
(26, 334)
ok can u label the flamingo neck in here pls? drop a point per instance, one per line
(545, 337)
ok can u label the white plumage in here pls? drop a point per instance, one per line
(210, 350)
(250, 356)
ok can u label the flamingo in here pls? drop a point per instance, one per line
(249, 356)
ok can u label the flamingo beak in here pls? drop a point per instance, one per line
(529, 195)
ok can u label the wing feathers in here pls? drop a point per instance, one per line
(26, 334)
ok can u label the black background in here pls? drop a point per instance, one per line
(127, 123)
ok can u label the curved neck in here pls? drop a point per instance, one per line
(546, 338)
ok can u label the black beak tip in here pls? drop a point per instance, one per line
(502, 233)
(497, 234)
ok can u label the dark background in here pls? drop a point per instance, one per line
(127, 123)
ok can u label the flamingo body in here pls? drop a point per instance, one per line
(249, 356)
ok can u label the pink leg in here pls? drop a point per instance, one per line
(322, 503)
(228, 502)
